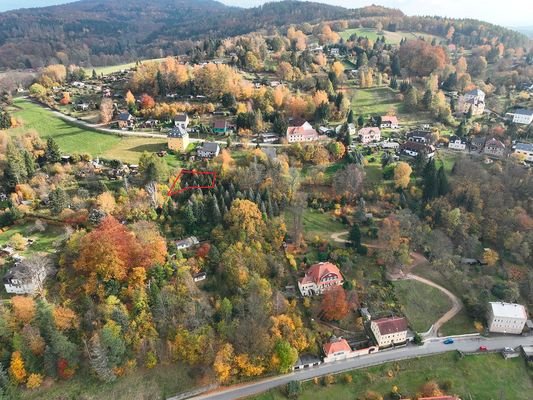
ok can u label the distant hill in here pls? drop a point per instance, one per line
(107, 32)
(526, 30)
(99, 32)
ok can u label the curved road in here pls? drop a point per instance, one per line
(418, 259)
(433, 346)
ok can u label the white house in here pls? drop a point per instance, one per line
(338, 349)
(525, 149)
(457, 143)
(19, 280)
(473, 100)
(506, 317)
(208, 150)
(370, 134)
(389, 331)
(413, 149)
(300, 130)
(181, 120)
(390, 145)
(319, 278)
(186, 243)
(522, 116)
(389, 121)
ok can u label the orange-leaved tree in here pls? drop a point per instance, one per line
(334, 304)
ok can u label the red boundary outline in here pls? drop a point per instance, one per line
(172, 190)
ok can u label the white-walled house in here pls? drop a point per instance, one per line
(181, 120)
(457, 143)
(390, 122)
(522, 116)
(300, 130)
(339, 349)
(369, 134)
(18, 279)
(506, 317)
(389, 331)
(525, 149)
(474, 101)
(319, 278)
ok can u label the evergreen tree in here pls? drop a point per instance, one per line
(461, 129)
(29, 164)
(99, 360)
(411, 98)
(15, 172)
(427, 100)
(161, 85)
(361, 121)
(393, 83)
(190, 219)
(5, 119)
(429, 176)
(395, 66)
(338, 100)
(95, 76)
(444, 186)
(469, 113)
(355, 236)
(52, 153)
(59, 200)
(350, 118)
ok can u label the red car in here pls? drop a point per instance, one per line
(483, 348)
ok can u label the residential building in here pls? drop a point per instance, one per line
(522, 116)
(181, 120)
(525, 149)
(334, 51)
(389, 331)
(20, 279)
(208, 150)
(178, 139)
(187, 243)
(319, 278)
(390, 145)
(413, 149)
(300, 130)
(125, 120)
(336, 350)
(473, 100)
(457, 143)
(494, 147)
(369, 134)
(390, 122)
(419, 136)
(306, 361)
(506, 317)
(220, 126)
(200, 276)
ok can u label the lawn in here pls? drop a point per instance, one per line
(422, 304)
(487, 377)
(74, 139)
(115, 68)
(458, 325)
(43, 240)
(390, 37)
(317, 223)
(158, 383)
(382, 100)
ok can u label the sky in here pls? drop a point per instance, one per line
(508, 13)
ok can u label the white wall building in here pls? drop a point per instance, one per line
(389, 331)
(19, 279)
(506, 317)
(525, 149)
(457, 143)
(522, 116)
(370, 134)
(319, 278)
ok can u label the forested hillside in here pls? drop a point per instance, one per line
(103, 32)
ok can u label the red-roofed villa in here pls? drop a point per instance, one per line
(319, 278)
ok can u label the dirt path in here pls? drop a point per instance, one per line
(417, 259)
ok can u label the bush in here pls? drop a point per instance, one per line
(446, 385)
(347, 378)
(294, 389)
(34, 381)
(363, 250)
(328, 380)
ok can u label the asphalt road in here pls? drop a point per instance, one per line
(432, 346)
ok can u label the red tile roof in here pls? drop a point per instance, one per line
(387, 326)
(317, 271)
(220, 124)
(336, 346)
(393, 120)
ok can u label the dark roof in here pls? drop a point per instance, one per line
(523, 111)
(455, 138)
(181, 117)
(475, 92)
(524, 146)
(296, 122)
(209, 147)
(124, 116)
(419, 133)
(387, 326)
(416, 146)
(220, 124)
(177, 132)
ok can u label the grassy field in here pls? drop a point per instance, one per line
(75, 139)
(382, 100)
(422, 304)
(458, 325)
(43, 240)
(317, 224)
(390, 37)
(115, 68)
(158, 383)
(479, 377)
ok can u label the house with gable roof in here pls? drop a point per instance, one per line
(319, 278)
(389, 331)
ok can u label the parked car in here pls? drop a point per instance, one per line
(508, 350)
(448, 341)
(483, 348)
